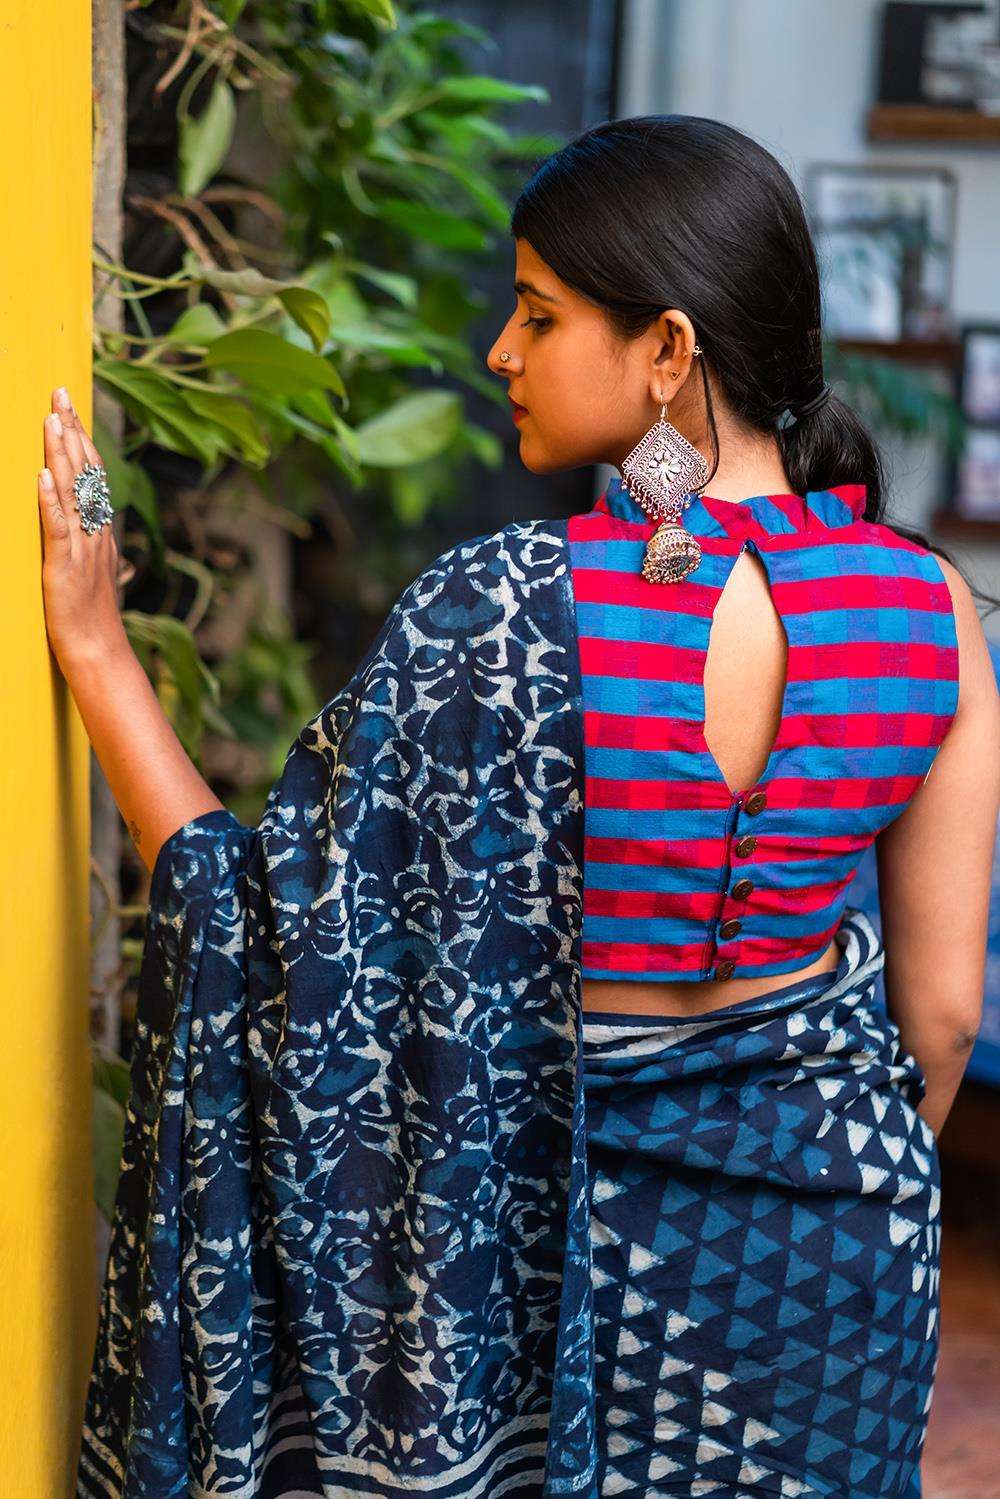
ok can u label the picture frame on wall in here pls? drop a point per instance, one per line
(979, 372)
(977, 481)
(934, 54)
(976, 472)
(884, 238)
(862, 281)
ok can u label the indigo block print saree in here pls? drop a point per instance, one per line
(385, 1226)
(766, 1243)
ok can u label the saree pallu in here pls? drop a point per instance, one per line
(349, 1253)
(765, 1234)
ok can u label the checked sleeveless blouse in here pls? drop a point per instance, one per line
(683, 878)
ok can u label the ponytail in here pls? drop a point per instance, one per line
(831, 445)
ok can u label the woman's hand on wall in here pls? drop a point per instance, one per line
(79, 571)
(155, 784)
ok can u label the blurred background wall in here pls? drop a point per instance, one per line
(801, 79)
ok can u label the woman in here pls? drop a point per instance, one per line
(511, 1111)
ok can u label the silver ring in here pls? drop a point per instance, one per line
(93, 498)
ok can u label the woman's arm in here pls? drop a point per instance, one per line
(152, 779)
(935, 866)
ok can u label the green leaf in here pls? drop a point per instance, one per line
(199, 325)
(270, 362)
(348, 465)
(402, 288)
(316, 405)
(155, 403)
(476, 89)
(342, 297)
(448, 230)
(348, 439)
(485, 445)
(248, 283)
(217, 722)
(416, 428)
(236, 420)
(353, 325)
(287, 418)
(370, 337)
(204, 142)
(327, 276)
(445, 304)
(177, 646)
(184, 683)
(204, 580)
(496, 208)
(381, 9)
(466, 133)
(535, 145)
(411, 496)
(110, 1073)
(426, 24)
(108, 1139)
(230, 11)
(318, 420)
(309, 310)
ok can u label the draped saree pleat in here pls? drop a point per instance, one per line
(765, 1233)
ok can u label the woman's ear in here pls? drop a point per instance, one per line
(674, 340)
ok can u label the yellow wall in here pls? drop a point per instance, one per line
(47, 1298)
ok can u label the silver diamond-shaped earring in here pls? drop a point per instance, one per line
(661, 473)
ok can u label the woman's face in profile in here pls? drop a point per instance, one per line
(589, 396)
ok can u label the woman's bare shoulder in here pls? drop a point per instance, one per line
(977, 690)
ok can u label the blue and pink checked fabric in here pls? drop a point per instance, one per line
(685, 878)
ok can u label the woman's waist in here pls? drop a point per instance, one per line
(674, 999)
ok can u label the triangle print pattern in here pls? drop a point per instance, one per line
(765, 1232)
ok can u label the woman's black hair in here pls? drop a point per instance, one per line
(682, 211)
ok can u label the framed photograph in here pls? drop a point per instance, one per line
(977, 483)
(861, 275)
(979, 372)
(931, 54)
(884, 238)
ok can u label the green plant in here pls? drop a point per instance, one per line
(110, 1083)
(300, 348)
(894, 398)
(297, 302)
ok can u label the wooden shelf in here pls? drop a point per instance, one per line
(922, 122)
(948, 522)
(946, 351)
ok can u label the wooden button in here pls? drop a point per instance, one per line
(741, 889)
(724, 968)
(745, 845)
(730, 928)
(755, 802)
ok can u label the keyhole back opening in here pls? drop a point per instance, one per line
(745, 675)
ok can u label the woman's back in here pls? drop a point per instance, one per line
(748, 733)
